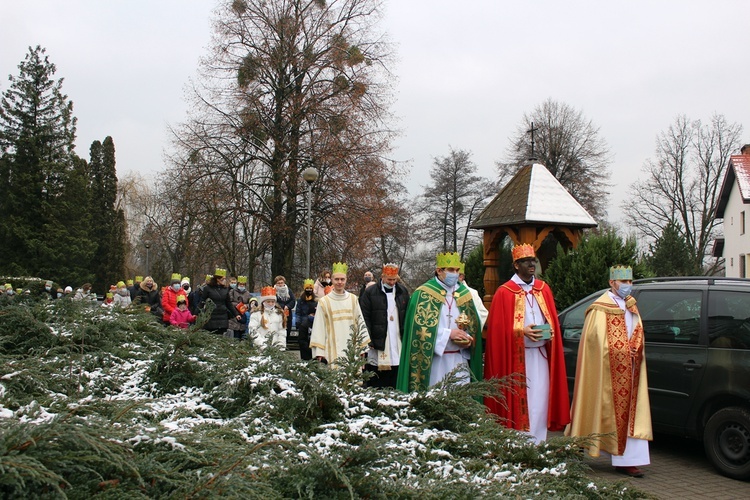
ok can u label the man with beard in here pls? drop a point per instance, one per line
(524, 340)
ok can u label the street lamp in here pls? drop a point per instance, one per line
(147, 244)
(310, 174)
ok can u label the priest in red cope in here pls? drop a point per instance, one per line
(524, 340)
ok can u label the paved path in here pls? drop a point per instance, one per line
(679, 469)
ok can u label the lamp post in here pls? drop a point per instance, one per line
(310, 174)
(147, 244)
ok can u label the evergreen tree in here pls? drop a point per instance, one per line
(108, 230)
(671, 255)
(585, 270)
(37, 134)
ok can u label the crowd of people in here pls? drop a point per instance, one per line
(413, 341)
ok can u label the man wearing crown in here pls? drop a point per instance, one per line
(384, 309)
(524, 344)
(610, 398)
(442, 330)
(337, 318)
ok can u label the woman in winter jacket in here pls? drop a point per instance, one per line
(268, 324)
(218, 292)
(169, 297)
(148, 295)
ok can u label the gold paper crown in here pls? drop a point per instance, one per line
(523, 252)
(241, 279)
(620, 273)
(209, 276)
(110, 295)
(339, 267)
(267, 292)
(448, 259)
(462, 268)
(130, 282)
(220, 273)
(139, 278)
(390, 270)
(120, 284)
(307, 282)
(176, 277)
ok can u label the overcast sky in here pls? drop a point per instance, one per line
(467, 71)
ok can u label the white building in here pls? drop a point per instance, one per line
(734, 208)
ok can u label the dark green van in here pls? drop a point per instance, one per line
(698, 360)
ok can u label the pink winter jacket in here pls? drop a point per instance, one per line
(181, 319)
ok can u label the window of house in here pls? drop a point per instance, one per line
(742, 266)
(742, 222)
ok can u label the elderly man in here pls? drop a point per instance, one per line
(610, 398)
(337, 318)
(435, 342)
(384, 308)
(523, 340)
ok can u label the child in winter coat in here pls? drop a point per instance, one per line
(268, 324)
(181, 317)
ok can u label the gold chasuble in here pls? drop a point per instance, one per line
(420, 334)
(611, 390)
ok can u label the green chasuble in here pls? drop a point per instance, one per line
(420, 334)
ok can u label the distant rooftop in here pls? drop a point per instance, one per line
(534, 196)
(739, 170)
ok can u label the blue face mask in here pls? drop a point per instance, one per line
(233, 285)
(176, 287)
(240, 288)
(450, 279)
(624, 290)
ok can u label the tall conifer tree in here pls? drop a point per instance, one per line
(37, 134)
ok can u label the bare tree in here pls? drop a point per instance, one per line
(569, 146)
(451, 202)
(291, 84)
(683, 182)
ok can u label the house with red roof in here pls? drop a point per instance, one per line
(734, 208)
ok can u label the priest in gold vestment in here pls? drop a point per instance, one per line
(610, 398)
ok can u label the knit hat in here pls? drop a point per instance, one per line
(185, 279)
(68, 289)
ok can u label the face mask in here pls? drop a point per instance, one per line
(233, 285)
(149, 285)
(186, 287)
(450, 279)
(308, 292)
(123, 290)
(368, 279)
(59, 295)
(624, 290)
(176, 287)
(241, 288)
(387, 286)
(48, 288)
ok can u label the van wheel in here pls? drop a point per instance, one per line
(726, 440)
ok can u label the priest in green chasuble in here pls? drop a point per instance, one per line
(442, 330)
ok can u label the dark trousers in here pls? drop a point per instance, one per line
(303, 328)
(381, 378)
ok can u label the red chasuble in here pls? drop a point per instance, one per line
(505, 355)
